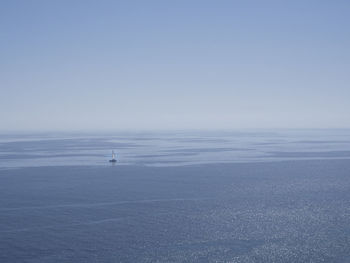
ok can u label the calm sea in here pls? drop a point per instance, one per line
(252, 196)
(170, 149)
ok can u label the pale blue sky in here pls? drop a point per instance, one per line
(102, 65)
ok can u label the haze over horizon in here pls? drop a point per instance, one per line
(126, 65)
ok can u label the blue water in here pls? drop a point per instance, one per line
(172, 148)
(253, 196)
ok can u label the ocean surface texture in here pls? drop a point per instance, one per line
(253, 196)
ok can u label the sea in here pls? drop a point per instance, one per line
(175, 196)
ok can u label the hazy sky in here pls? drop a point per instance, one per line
(171, 64)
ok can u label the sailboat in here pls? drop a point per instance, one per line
(113, 160)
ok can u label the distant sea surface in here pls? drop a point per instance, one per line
(172, 149)
(248, 196)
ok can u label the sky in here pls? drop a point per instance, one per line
(180, 64)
